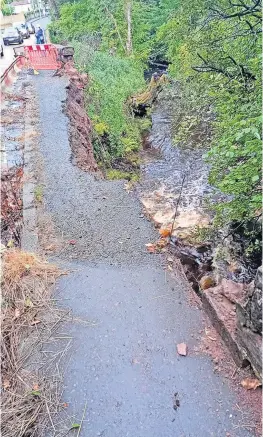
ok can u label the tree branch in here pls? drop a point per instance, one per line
(246, 10)
(209, 67)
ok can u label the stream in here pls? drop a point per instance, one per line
(165, 165)
(176, 178)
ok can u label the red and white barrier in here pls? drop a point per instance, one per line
(9, 76)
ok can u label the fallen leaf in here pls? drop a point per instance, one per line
(27, 267)
(6, 384)
(10, 244)
(151, 247)
(251, 383)
(35, 392)
(206, 282)
(161, 243)
(165, 232)
(35, 322)
(72, 242)
(35, 387)
(75, 426)
(17, 313)
(182, 349)
(65, 405)
(28, 303)
(135, 361)
(169, 268)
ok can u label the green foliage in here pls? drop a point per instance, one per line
(214, 50)
(106, 19)
(112, 80)
(7, 9)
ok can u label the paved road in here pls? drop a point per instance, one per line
(125, 366)
(8, 57)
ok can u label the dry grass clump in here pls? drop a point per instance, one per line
(26, 283)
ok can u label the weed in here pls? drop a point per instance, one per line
(39, 194)
(118, 174)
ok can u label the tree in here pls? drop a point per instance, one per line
(129, 27)
(215, 51)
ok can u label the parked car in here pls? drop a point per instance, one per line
(12, 36)
(31, 27)
(21, 27)
(2, 51)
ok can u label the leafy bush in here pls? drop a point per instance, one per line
(112, 81)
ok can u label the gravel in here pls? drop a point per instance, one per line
(100, 215)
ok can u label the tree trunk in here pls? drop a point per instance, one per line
(54, 6)
(129, 27)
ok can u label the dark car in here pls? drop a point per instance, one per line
(23, 29)
(12, 36)
(31, 27)
(2, 51)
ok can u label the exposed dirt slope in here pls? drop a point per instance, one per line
(80, 125)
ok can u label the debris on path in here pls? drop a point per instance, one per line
(182, 349)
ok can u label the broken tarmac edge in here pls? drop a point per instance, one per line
(246, 349)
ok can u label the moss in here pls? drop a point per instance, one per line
(118, 174)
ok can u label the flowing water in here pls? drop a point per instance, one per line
(165, 165)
